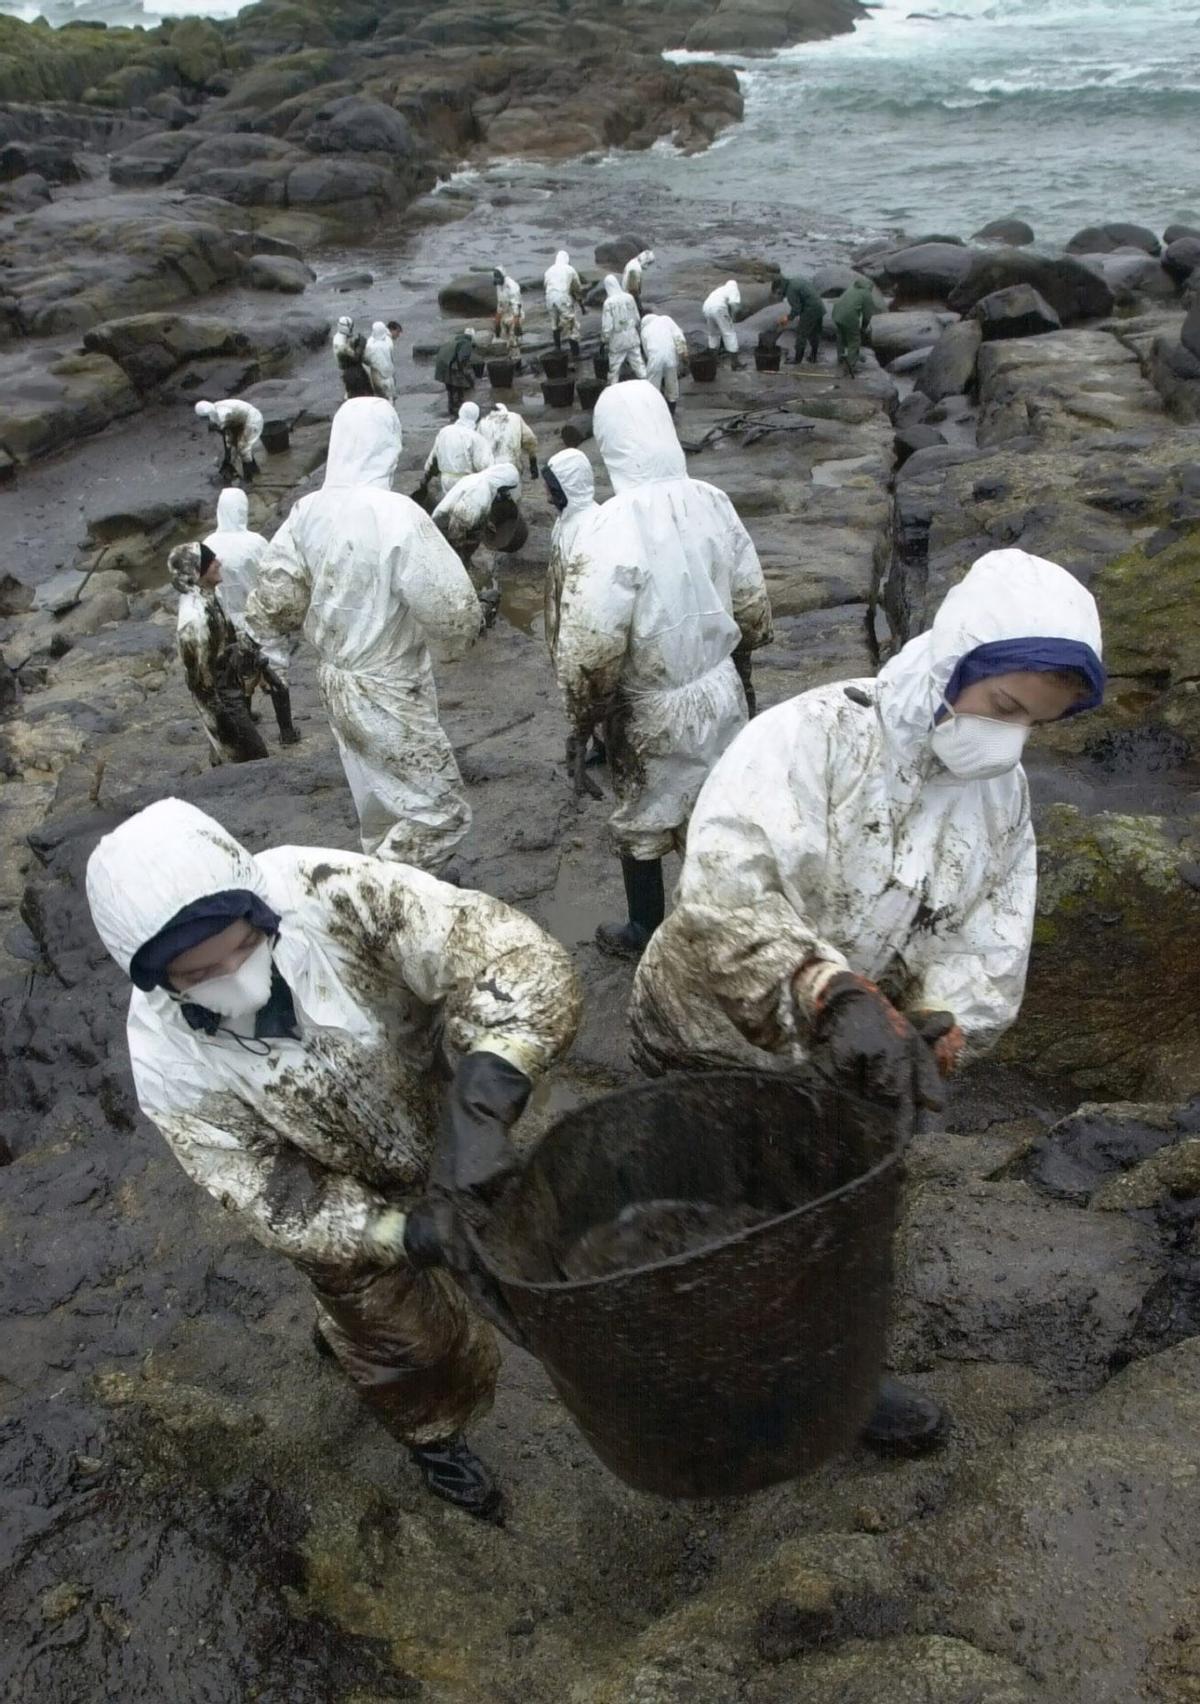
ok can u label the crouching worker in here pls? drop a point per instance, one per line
(300, 1022)
(861, 871)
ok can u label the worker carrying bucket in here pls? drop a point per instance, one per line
(702, 1264)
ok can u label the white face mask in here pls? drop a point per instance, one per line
(241, 994)
(978, 748)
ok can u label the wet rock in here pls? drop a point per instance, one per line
(1012, 233)
(902, 333)
(928, 272)
(471, 294)
(1102, 239)
(910, 363)
(1018, 311)
(52, 159)
(348, 280)
(149, 347)
(1072, 289)
(912, 410)
(53, 401)
(277, 272)
(950, 366)
(151, 159)
(615, 251)
(322, 183)
(914, 438)
(830, 280)
(356, 126)
(1181, 259)
(756, 26)
(1102, 1140)
(171, 110)
(1062, 386)
(929, 1670)
(1189, 336)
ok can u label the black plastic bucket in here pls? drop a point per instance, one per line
(501, 374)
(767, 360)
(590, 391)
(276, 436)
(556, 364)
(704, 366)
(734, 1365)
(559, 393)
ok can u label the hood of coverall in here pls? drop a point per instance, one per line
(499, 410)
(345, 323)
(501, 476)
(364, 445)
(468, 414)
(1007, 594)
(573, 472)
(646, 258)
(143, 874)
(379, 329)
(612, 285)
(636, 435)
(562, 258)
(233, 510)
(206, 410)
(733, 294)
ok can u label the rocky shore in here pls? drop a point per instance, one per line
(194, 1508)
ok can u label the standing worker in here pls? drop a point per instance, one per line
(619, 329)
(241, 427)
(719, 308)
(564, 294)
(220, 668)
(571, 487)
(453, 367)
(376, 588)
(300, 1022)
(852, 320)
(634, 275)
(805, 311)
(458, 449)
(665, 585)
(510, 437)
(666, 352)
(481, 509)
(240, 551)
(348, 348)
(379, 360)
(510, 318)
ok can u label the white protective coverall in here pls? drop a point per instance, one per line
(666, 350)
(379, 360)
(718, 316)
(509, 437)
(619, 329)
(376, 587)
(564, 292)
(631, 278)
(463, 516)
(240, 423)
(509, 314)
(306, 1141)
(573, 472)
(665, 584)
(829, 830)
(240, 551)
(459, 449)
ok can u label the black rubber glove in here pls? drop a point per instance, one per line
(474, 1158)
(872, 1048)
(942, 1036)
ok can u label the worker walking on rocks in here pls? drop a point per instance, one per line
(481, 509)
(851, 320)
(805, 311)
(221, 670)
(634, 275)
(666, 351)
(571, 487)
(453, 367)
(564, 296)
(510, 317)
(458, 449)
(302, 1022)
(719, 309)
(619, 324)
(510, 438)
(665, 585)
(240, 551)
(241, 427)
(348, 349)
(379, 360)
(376, 589)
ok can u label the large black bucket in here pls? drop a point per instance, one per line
(737, 1364)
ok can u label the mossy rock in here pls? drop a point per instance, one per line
(198, 49)
(41, 64)
(1150, 607)
(1114, 979)
(266, 86)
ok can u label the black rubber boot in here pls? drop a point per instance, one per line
(573, 346)
(455, 1473)
(644, 896)
(281, 703)
(905, 1423)
(558, 337)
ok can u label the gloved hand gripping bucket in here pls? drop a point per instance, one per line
(736, 1364)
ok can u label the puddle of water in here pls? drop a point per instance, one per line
(522, 598)
(577, 907)
(835, 473)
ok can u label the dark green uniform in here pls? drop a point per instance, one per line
(806, 311)
(851, 316)
(452, 368)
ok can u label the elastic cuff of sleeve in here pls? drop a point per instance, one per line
(811, 981)
(524, 1055)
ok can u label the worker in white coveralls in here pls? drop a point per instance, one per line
(241, 427)
(459, 449)
(482, 509)
(634, 275)
(564, 295)
(240, 551)
(510, 437)
(379, 360)
(302, 1020)
(720, 306)
(619, 330)
(510, 316)
(666, 352)
(376, 588)
(663, 586)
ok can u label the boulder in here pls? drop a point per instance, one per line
(246, 186)
(1130, 274)
(151, 159)
(894, 334)
(1013, 233)
(277, 272)
(833, 279)
(149, 347)
(928, 272)
(349, 280)
(355, 126)
(67, 398)
(1181, 258)
(52, 158)
(25, 193)
(950, 366)
(1189, 335)
(168, 107)
(1072, 289)
(334, 182)
(910, 439)
(912, 362)
(1102, 239)
(471, 294)
(237, 149)
(1173, 233)
(615, 251)
(912, 410)
(1016, 312)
